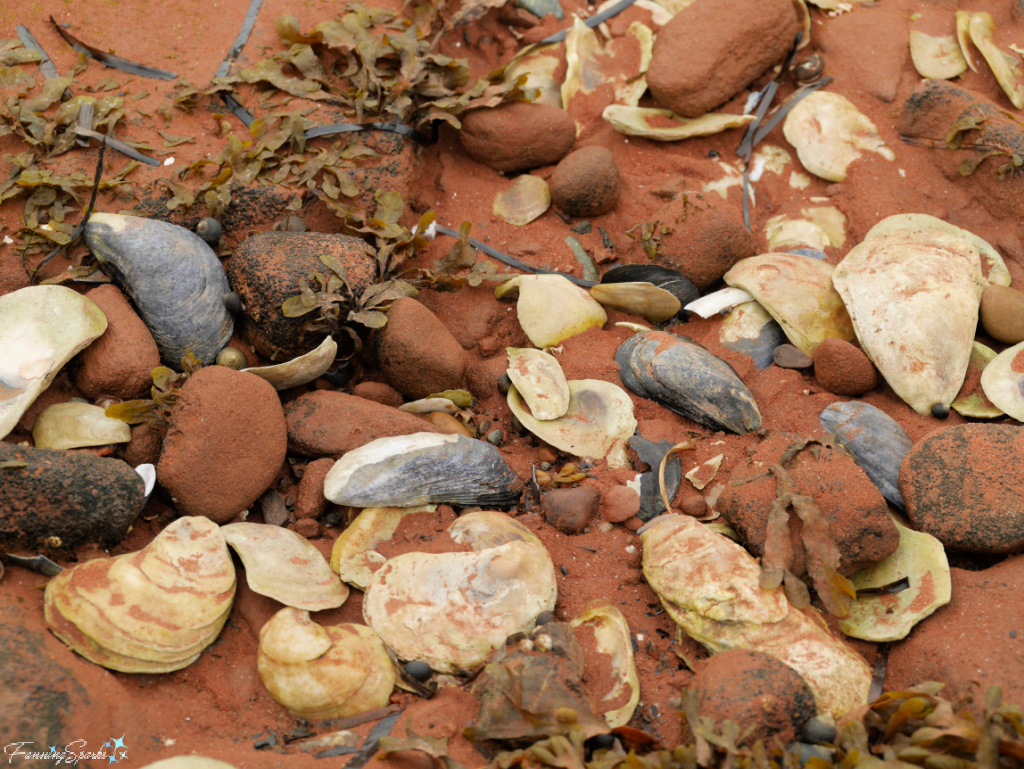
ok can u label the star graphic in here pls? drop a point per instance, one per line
(118, 743)
(53, 748)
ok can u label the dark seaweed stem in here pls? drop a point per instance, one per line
(117, 62)
(229, 100)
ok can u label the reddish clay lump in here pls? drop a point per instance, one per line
(843, 369)
(518, 136)
(416, 353)
(586, 182)
(1002, 314)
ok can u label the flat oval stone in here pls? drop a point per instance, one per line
(788, 356)
(416, 352)
(1002, 313)
(963, 485)
(518, 136)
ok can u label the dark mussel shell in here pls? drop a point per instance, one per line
(173, 278)
(672, 281)
(684, 377)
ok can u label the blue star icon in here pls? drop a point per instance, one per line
(53, 748)
(118, 742)
(115, 743)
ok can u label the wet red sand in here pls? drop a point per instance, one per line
(217, 706)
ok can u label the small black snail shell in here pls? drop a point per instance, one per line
(940, 410)
(209, 230)
(809, 70)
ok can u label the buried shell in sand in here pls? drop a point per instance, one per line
(152, 611)
(420, 469)
(452, 610)
(173, 278)
(353, 554)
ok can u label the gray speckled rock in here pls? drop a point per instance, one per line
(964, 485)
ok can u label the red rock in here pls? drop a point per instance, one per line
(843, 369)
(571, 510)
(144, 447)
(380, 392)
(482, 376)
(119, 362)
(416, 353)
(586, 182)
(310, 501)
(307, 527)
(517, 136)
(754, 689)
(693, 503)
(326, 423)
(978, 637)
(226, 440)
(855, 509)
(619, 503)
(709, 52)
(446, 423)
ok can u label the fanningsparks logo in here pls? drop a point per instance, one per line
(114, 751)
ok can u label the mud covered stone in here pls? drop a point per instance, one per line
(119, 362)
(854, 508)
(310, 501)
(709, 52)
(64, 500)
(843, 369)
(145, 445)
(963, 485)
(328, 424)
(226, 440)
(266, 269)
(754, 689)
(571, 510)
(586, 182)
(416, 353)
(518, 136)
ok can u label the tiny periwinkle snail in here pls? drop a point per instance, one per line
(209, 230)
(232, 357)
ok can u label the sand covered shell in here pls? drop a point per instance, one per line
(539, 65)
(173, 278)
(936, 57)
(819, 228)
(750, 330)
(879, 617)
(285, 566)
(420, 469)
(452, 610)
(301, 370)
(829, 134)
(644, 299)
(152, 611)
(684, 377)
(913, 297)
(1006, 67)
(664, 125)
(551, 309)
(613, 640)
(353, 555)
(1003, 381)
(317, 671)
(41, 329)
(527, 198)
(598, 422)
(539, 379)
(710, 586)
(797, 291)
(975, 404)
(73, 425)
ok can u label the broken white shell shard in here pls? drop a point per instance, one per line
(316, 671)
(921, 559)
(283, 565)
(701, 475)
(41, 329)
(718, 301)
(539, 378)
(664, 125)
(74, 425)
(613, 640)
(551, 309)
(829, 134)
(797, 291)
(710, 586)
(1003, 381)
(596, 425)
(527, 198)
(300, 370)
(420, 469)
(936, 57)
(353, 556)
(429, 406)
(148, 474)
(913, 298)
(452, 610)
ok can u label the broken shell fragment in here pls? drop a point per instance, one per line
(283, 565)
(301, 370)
(820, 227)
(527, 198)
(889, 616)
(598, 422)
(173, 278)
(797, 291)
(611, 632)
(152, 611)
(1003, 381)
(975, 404)
(1006, 67)
(936, 57)
(671, 280)
(710, 587)
(422, 468)
(74, 425)
(539, 379)
(452, 610)
(316, 671)
(644, 299)
(684, 377)
(750, 330)
(41, 329)
(722, 300)
(913, 297)
(829, 134)
(429, 406)
(664, 125)
(551, 309)
(539, 66)
(353, 556)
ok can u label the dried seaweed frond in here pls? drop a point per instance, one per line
(164, 394)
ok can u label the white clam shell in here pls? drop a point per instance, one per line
(540, 380)
(75, 425)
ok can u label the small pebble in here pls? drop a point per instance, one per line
(307, 527)
(695, 505)
(843, 369)
(546, 454)
(446, 423)
(495, 437)
(619, 504)
(940, 410)
(418, 670)
(634, 523)
(273, 508)
(310, 501)
(586, 182)
(820, 729)
(1002, 314)
(504, 384)
(545, 617)
(571, 510)
(788, 356)
(333, 520)
(380, 392)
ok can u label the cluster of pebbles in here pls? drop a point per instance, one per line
(266, 447)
